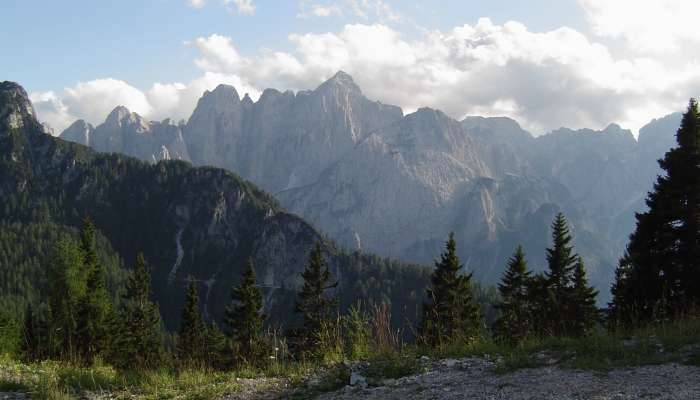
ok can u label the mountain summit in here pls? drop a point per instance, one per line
(16, 110)
(376, 179)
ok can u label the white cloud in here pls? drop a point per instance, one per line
(659, 26)
(52, 111)
(177, 100)
(308, 9)
(94, 100)
(195, 3)
(374, 10)
(543, 79)
(243, 6)
(325, 11)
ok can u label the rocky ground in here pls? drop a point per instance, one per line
(477, 378)
(474, 378)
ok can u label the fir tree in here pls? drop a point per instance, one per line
(140, 343)
(660, 273)
(450, 312)
(561, 261)
(584, 311)
(244, 317)
(192, 329)
(312, 303)
(95, 308)
(515, 322)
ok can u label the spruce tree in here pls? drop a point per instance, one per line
(95, 307)
(621, 312)
(140, 343)
(192, 329)
(450, 312)
(244, 317)
(312, 303)
(515, 322)
(216, 348)
(67, 279)
(583, 303)
(29, 346)
(561, 261)
(660, 273)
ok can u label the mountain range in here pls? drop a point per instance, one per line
(191, 223)
(377, 180)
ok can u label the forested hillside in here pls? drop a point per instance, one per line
(199, 222)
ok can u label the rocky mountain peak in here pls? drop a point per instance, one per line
(341, 82)
(79, 131)
(247, 101)
(226, 94)
(16, 110)
(118, 116)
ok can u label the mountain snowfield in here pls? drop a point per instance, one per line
(394, 184)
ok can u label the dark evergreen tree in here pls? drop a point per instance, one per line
(95, 318)
(312, 302)
(621, 313)
(29, 346)
(450, 312)
(515, 321)
(217, 348)
(561, 261)
(244, 317)
(139, 344)
(659, 277)
(67, 279)
(583, 303)
(192, 329)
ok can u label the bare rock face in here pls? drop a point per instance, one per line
(285, 140)
(79, 132)
(377, 180)
(129, 133)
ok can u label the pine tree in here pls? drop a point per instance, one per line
(95, 307)
(244, 317)
(583, 302)
(450, 313)
(192, 329)
(661, 269)
(312, 303)
(515, 322)
(139, 344)
(561, 261)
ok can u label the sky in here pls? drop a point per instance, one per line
(545, 63)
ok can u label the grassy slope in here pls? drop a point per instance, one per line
(674, 342)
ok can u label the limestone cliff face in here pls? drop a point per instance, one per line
(284, 140)
(129, 133)
(377, 180)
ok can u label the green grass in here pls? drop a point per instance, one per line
(672, 342)
(601, 351)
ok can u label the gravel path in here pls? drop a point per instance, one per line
(474, 379)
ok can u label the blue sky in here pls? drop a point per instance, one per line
(565, 63)
(141, 41)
